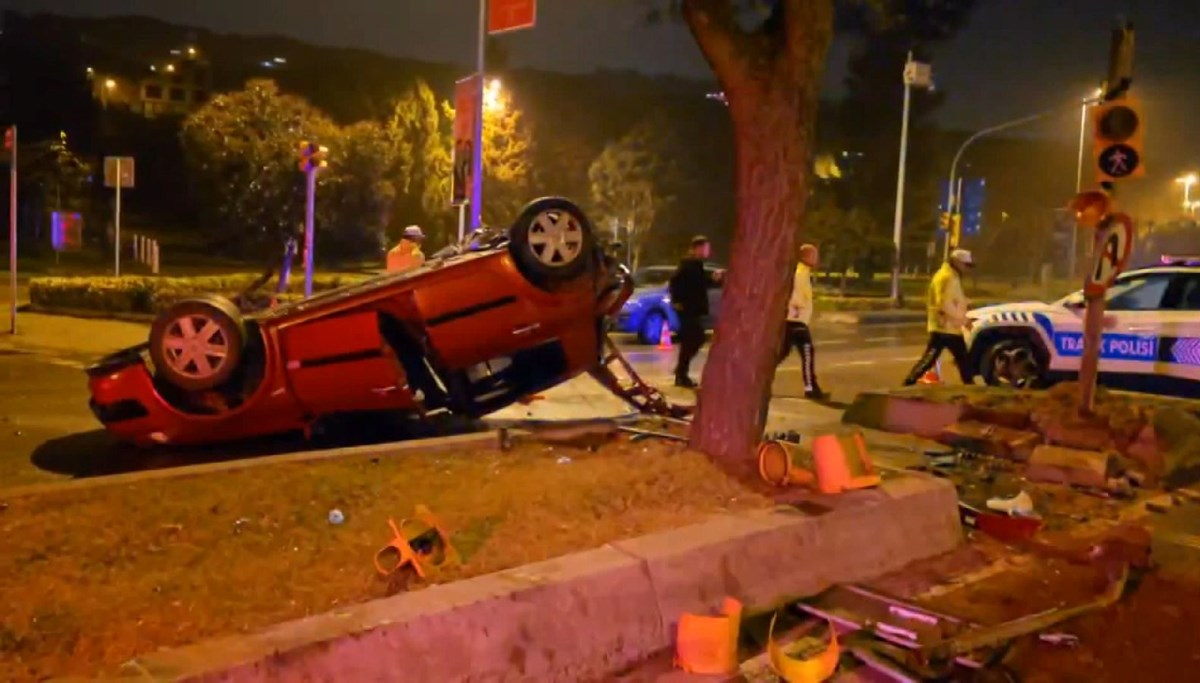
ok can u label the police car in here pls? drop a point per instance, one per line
(1151, 337)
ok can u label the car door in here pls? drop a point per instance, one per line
(1134, 324)
(1178, 367)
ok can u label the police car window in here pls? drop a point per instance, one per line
(1187, 294)
(1138, 294)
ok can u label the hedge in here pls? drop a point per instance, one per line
(148, 295)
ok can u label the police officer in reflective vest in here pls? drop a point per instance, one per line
(407, 255)
(946, 306)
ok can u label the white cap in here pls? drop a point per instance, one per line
(962, 256)
(413, 232)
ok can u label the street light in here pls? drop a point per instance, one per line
(1188, 180)
(492, 96)
(110, 84)
(919, 75)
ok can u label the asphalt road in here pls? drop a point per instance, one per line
(47, 432)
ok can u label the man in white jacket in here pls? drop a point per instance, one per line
(797, 333)
(946, 308)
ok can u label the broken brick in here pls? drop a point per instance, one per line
(1059, 465)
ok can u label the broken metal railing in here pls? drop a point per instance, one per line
(616, 374)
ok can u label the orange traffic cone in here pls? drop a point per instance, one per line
(931, 377)
(664, 337)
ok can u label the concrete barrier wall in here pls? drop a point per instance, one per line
(586, 615)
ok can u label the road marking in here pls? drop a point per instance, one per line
(832, 342)
(62, 362)
(872, 340)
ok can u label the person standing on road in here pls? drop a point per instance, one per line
(407, 255)
(799, 316)
(947, 316)
(689, 297)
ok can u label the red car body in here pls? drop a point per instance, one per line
(470, 334)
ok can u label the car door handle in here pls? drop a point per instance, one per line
(525, 329)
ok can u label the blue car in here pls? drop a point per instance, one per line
(650, 305)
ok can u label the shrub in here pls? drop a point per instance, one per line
(148, 295)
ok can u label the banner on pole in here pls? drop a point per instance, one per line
(66, 231)
(466, 106)
(511, 15)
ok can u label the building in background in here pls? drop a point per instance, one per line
(174, 86)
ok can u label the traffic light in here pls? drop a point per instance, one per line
(10, 135)
(1117, 139)
(955, 229)
(312, 156)
(1090, 207)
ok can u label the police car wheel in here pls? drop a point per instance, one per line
(1012, 362)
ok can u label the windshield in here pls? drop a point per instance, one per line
(652, 278)
(1120, 287)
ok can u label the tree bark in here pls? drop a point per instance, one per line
(772, 93)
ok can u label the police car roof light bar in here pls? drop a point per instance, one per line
(1175, 260)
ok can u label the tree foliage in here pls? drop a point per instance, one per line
(242, 151)
(633, 179)
(427, 128)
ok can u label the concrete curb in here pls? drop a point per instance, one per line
(586, 615)
(489, 439)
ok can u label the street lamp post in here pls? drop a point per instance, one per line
(477, 136)
(920, 75)
(951, 203)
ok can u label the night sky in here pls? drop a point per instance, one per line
(1015, 57)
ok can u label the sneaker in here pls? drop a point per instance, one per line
(686, 383)
(816, 394)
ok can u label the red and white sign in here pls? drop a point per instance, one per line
(511, 15)
(1114, 242)
(467, 93)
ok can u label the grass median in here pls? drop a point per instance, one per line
(98, 576)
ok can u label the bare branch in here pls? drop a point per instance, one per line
(723, 44)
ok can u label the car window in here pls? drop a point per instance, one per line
(1184, 294)
(652, 278)
(1139, 293)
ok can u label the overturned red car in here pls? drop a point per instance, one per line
(470, 332)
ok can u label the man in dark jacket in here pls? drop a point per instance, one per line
(689, 297)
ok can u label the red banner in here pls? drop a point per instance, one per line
(511, 15)
(466, 105)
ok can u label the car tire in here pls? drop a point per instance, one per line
(1012, 362)
(651, 327)
(552, 241)
(197, 344)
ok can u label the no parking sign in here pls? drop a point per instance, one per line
(1114, 243)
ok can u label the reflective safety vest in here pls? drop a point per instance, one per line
(405, 256)
(946, 303)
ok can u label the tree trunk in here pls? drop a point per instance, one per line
(773, 107)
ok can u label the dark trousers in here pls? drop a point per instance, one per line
(938, 342)
(691, 338)
(799, 336)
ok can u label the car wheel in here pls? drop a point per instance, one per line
(552, 241)
(1012, 362)
(197, 343)
(651, 329)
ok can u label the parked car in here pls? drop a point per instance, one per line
(1150, 342)
(650, 306)
(468, 332)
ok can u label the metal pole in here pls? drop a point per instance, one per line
(309, 209)
(898, 225)
(477, 144)
(1073, 255)
(462, 221)
(967, 143)
(12, 234)
(117, 225)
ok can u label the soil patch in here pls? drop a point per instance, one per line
(97, 577)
